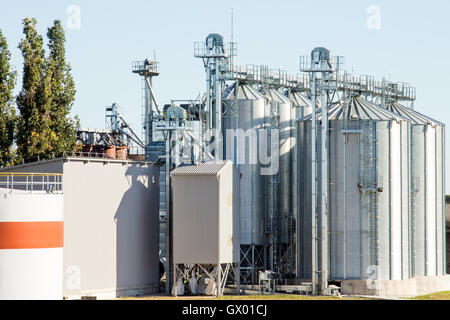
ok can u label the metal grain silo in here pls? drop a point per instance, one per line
(301, 107)
(427, 192)
(243, 116)
(281, 109)
(368, 192)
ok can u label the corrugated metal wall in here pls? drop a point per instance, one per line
(369, 198)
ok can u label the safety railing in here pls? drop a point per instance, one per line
(32, 182)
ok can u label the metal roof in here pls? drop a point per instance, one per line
(275, 96)
(244, 92)
(299, 100)
(412, 115)
(211, 168)
(358, 108)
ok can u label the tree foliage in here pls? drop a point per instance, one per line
(62, 92)
(33, 100)
(7, 111)
(47, 95)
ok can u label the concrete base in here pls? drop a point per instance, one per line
(396, 288)
(106, 294)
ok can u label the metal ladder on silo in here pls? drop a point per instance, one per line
(415, 185)
(369, 185)
(272, 221)
(374, 240)
(273, 216)
(366, 182)
(289, 255)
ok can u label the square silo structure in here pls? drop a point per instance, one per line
(206, 213)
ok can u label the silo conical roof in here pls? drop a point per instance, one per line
(410, 114)
(358, 108)
(277, 97)
(300, 100)
(241, 91)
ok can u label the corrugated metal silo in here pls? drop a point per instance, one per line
(301, 107)
(281, 108)
(368, 192)
(427, 192)
(243, 116)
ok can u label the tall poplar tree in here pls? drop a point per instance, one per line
(34, 100)
(7, 111)
(62, 93)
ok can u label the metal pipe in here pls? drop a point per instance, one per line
(391, 237)
(294, 192)
(324, 185)
(152, 95)
(147, 108)
(208, 98)
(313, 188)
(425, 186)
(344, 246)
(190, 135)
(168, 235)
(218, 110)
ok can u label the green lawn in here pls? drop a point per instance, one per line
(444, 295)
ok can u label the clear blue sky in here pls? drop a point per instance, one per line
(412, 44)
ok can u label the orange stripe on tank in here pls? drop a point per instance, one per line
(31, 235)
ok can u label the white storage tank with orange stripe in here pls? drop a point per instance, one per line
(31, 238)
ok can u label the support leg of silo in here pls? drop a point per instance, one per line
(253, 265)
(218, 280)
(237, 272)
(175, 274)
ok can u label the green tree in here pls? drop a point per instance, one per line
(63, 128)
(34, 100)
(7, 111)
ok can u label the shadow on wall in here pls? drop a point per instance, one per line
(137, 223)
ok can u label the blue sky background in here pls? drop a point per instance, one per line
(412, 45)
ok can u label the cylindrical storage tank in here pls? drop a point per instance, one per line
(427, 192)
(111, 152)
(301, 107)
(31, 245)
(281, 108)
(243, 116)
(122, 153)
(368, 192)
